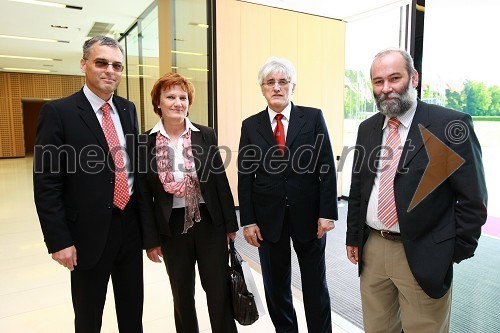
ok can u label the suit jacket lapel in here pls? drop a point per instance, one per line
(374, 142)
(264, 127)
(414, 141)
(295, 123)
(199, 150)
(124, 114)
(90, 119)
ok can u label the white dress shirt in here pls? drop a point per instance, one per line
(178, 160)
(96, 102)
(372, 212)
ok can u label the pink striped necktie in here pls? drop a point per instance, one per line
(387, 212)
(121, 194)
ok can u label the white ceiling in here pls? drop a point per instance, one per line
(28, 20)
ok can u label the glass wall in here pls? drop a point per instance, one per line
(190, 30)
(460, 71)
(361, 47)
(189, 44)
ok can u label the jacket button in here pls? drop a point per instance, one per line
(110, 206)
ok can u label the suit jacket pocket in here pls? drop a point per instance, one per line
(443, 235)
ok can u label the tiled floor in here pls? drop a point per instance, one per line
(35, 291)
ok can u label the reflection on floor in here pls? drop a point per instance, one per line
(35, 291)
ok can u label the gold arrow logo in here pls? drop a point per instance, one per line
(443, 162)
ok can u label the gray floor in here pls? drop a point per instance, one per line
(476, 289)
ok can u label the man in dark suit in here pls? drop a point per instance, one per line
(84, 190)
(287, 190)
(407, 232)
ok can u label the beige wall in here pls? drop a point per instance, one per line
(248, 34)
(17, 86)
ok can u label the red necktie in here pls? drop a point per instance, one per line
(121, 194)
(279, 133)
(387, 213)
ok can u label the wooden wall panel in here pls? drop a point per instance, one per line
(5, 142)
(229, 67)
(16, 86)
(247, 34)
(254, 51)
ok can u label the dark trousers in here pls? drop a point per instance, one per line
(122, 260)
(206, 245)
(275, 260)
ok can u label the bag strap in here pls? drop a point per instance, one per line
(234, 257)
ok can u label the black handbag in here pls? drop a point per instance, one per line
(244, 306)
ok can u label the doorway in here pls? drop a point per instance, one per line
(31, 110)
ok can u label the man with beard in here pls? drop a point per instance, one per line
(406, 243)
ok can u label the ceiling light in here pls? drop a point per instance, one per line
(27, 58)
(26, 69)
(34, 39)
(199, 25)
(48, 3)
(188, 53)
(137, 75)
(191, 68)
(152, 66)
(197, 69)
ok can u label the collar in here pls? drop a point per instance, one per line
(95, 101)
(159, 128)
(406, 118)
(286, 112)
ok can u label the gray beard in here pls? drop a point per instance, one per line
(399, 104)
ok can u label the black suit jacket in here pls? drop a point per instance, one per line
(445, 226)
(304, 178)
(156, 204)
(73, 174)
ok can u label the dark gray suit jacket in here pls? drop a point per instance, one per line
(445, 226)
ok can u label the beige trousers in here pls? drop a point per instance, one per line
(391, 297)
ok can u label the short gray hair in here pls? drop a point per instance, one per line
(279, 66)
(410, 67)
(102, 40)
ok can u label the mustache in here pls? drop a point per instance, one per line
(382, 97)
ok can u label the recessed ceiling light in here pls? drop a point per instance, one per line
(137, 75)
(34, 39)
(26, 58)
(152, 66)
(48, 3)
(199, 25)
(26, 69)
(197, 69)
(189, 53)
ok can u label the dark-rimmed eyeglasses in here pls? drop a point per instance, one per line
(103, 64)
(272, 83)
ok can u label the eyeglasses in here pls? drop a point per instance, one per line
(103, 64)
(272, 83)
